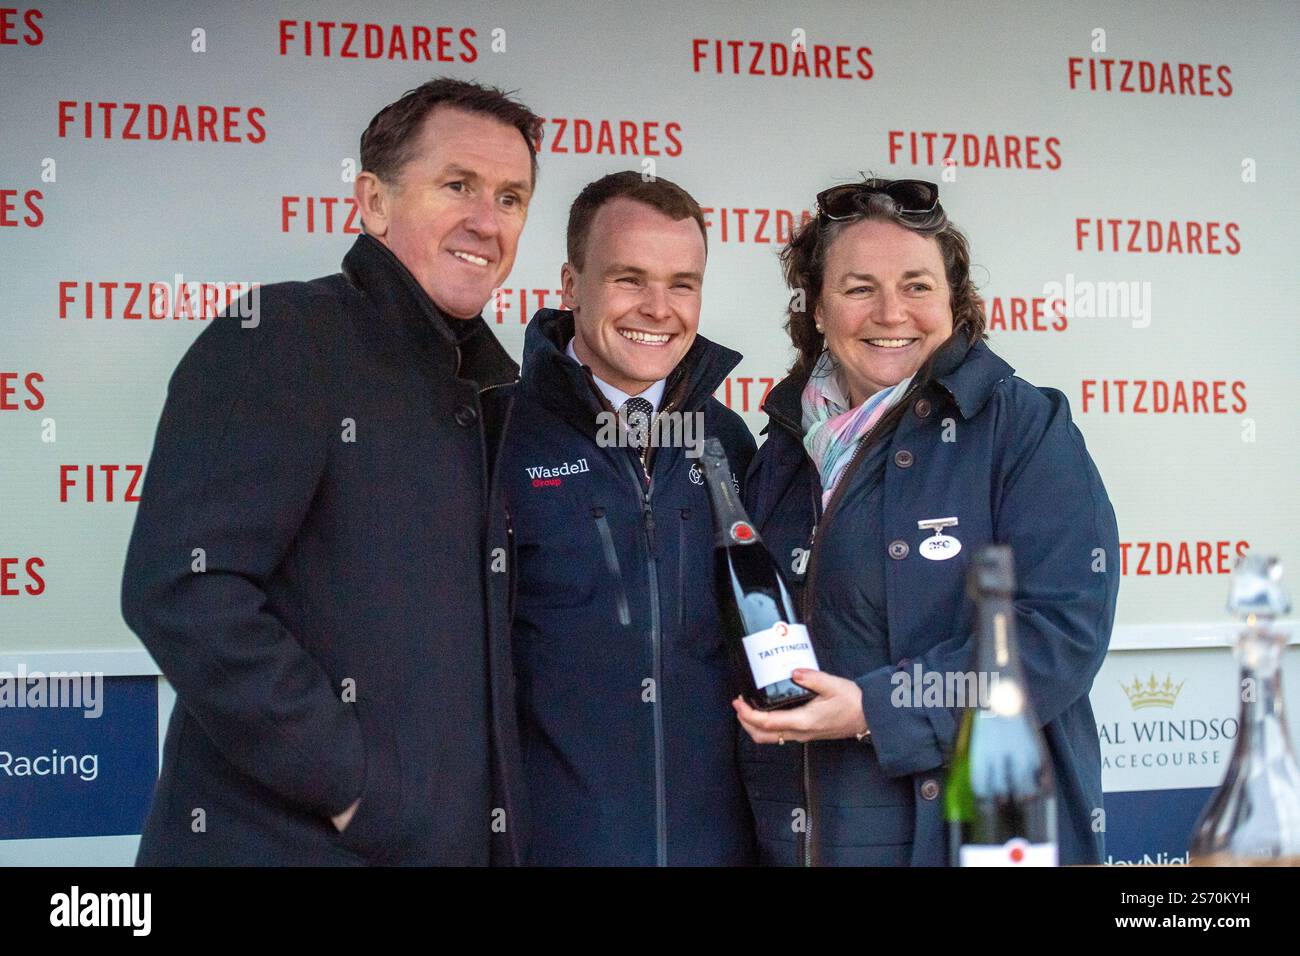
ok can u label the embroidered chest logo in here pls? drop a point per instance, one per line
(543, 477)
(697, 478)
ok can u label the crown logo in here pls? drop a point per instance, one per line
(1152, 694)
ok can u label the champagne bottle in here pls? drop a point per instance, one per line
(1253, 818)
(1000, 801)
(764, 638)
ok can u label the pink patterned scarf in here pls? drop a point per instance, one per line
(832, 429)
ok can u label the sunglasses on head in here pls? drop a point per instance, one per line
(911, 196)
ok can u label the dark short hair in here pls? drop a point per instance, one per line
(803, 261)
(667, 197)
(389, 140)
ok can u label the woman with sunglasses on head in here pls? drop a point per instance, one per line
(897, 422)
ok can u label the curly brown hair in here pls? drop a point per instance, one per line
(803, 263)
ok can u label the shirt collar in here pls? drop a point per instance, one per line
(615, 396)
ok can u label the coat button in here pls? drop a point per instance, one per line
(922, 408)
(903, 458)
(898, 550)
(930, 789)
(465, 416)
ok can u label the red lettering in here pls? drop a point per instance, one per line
(1180, 398)
(1203, 552)
(1239, 393)
(286, 213)
(1018, 309)
(1234, 246)
(36, 583)
(671, 131)
(867, 72)
(1052, 143)
(135, 471)
(133, 113)
(1225, 85)
(35, 36)
(821, 60)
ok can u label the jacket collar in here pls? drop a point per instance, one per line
(372, 268)
(971, 378)
(784, 404)
(968, 373)
(568, 387)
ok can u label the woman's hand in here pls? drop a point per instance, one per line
(834, 713)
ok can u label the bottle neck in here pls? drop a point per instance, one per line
(1263, 720)
(728, 512)
(997, 658)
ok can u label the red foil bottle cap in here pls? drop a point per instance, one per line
(742, 531)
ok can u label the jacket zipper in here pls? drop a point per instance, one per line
(661, 799)
(656, 657)
(657, 640)
(807, 591)
(646, 488)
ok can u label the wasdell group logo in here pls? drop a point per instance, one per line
(553, 477)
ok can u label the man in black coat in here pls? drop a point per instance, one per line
(319, 562)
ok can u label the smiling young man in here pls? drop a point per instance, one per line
(313, 563)
(629, 751)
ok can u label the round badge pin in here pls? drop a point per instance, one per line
(939, 546)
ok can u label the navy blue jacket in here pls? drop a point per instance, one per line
(628, 736)
(1003, 457)
(311, 568)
